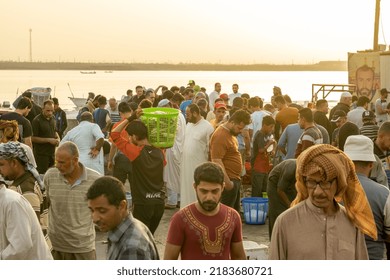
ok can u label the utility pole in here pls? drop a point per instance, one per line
(376, 25)
(30, 46)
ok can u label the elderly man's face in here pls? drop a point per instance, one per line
(65, 162)
(321, 193)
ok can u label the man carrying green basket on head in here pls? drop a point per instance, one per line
(148, 164)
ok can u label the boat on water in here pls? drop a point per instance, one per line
(78, 101)
(88, 72)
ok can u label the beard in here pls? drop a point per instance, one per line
(208, 205)
(192, 119)
(232, 132)
(365, 91)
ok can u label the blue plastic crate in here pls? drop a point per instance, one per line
(255, 210)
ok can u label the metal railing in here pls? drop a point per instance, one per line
(326, 89)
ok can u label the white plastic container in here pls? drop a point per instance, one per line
(255, 251)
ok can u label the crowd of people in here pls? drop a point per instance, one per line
(325, 174)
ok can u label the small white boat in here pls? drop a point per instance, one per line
(78, 101)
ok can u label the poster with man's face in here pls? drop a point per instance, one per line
(363, 71)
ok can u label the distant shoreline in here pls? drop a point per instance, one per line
(320, 66)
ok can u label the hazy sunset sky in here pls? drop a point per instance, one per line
(189, 31)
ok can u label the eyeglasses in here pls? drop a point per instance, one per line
(311, 184)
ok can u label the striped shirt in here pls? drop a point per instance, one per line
(369, 130)
(71, 229)
(310, 136)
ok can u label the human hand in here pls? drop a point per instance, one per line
(94, 152)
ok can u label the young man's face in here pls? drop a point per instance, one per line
(219, 114)
(237, 128)
(105, 215)
(365, 83)
(268, 128)
(235, 89)
(208, 195)
(325, 108)
(139, 91)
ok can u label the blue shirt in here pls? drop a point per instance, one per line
(289, 139)
(377, 195)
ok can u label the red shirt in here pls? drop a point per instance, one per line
(204, 237)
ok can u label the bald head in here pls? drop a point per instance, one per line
(70, 148)
(86, 116)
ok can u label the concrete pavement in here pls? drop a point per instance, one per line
(256, 233)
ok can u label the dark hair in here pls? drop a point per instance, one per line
(27, 94)
(307, 114)
(240, 116)
(145, 104)
(219, 99)
(362, 100)
(255, 102)
(345, 131)
(174, 88)
(133, 106)
(187, 91)
(96, 99)
(194, 108)
(55, 101)
(245, 95)
(23, 103)
(167, 94)
(235, 85)
(208, 172)
(177, 97)
(148, 92)
(268, 120)
(124, 107)
(102, 100)
(238, 102)
(279, 99)
(138, 129)
(137, 87)
(320, 102)
(268, 107)
(108, 186)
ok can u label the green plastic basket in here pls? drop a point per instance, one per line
(162, 126)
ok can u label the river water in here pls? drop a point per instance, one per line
(64, 83)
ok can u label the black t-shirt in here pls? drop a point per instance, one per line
(147, 181)
(46, 129)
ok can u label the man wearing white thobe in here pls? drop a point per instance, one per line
(195, 151)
